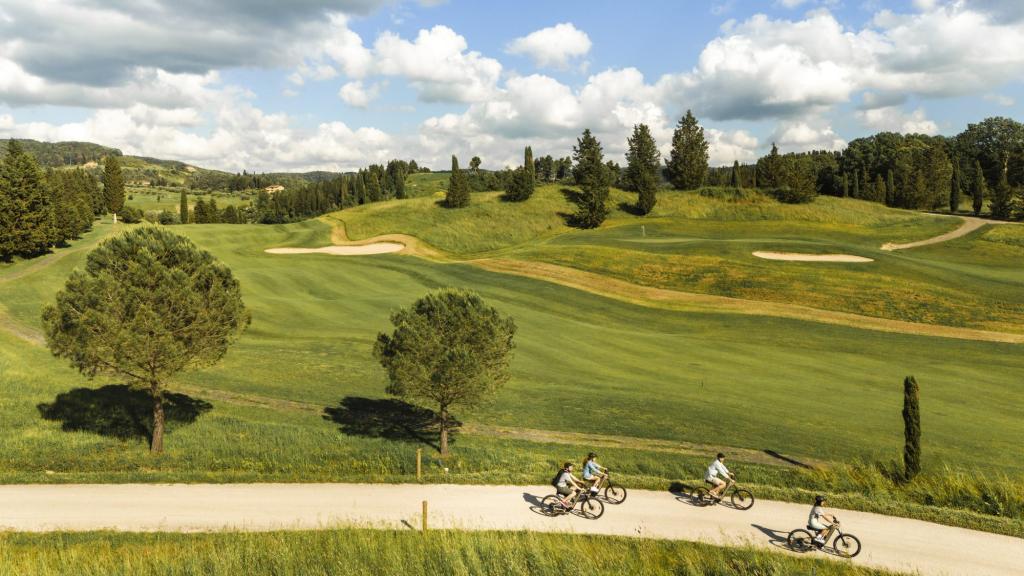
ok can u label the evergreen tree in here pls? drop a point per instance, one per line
(890, 189)
(530, 168)
(113, 184)
(642, 163)
(771, 170)
(592, 176)
(846, 185)
(1002, 199)
(183, 207)
(734, 177)
(458, 187)
(474, 164)
(373, 189)
(26, 212)
(360, 185)
(212, 214)
(521, 185)
(879, 192)
(978, 189)
(688, 161)
(955, 188)
(856, 184)
(911, 429)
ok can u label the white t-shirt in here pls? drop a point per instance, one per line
(815, 516)
(715, 469)
(563, 479)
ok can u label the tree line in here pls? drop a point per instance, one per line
(41, 210)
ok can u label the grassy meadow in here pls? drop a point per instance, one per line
(155, 199)
(702, 242)
(354, 551)
(290, 400)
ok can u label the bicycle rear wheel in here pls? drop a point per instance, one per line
(800, 541)
(552, 505)
(592, 508)
(847, 545)
(614, 494)
(702, 497)
(742, 499)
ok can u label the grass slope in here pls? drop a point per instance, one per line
(583, 363)
(361, 552)
(702, 242)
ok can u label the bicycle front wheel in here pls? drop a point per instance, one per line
(742, 499)
(614, 494)
(592, 508)
(847, 546)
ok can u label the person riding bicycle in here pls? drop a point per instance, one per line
(567, 485)
(716, 469)
(594, 472)
(815, 520)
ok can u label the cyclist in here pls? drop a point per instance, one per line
(815, 520)
(716, 469)
(567, 485)
(594, 472)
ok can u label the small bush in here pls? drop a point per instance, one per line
(788, 195)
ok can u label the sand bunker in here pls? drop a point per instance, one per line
(797, 257)
(367, 249)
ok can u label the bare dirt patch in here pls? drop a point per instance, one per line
(798, 257)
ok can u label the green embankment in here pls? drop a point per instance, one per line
(290, 400)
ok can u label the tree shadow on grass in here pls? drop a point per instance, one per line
(387, 418)
(631, 208)
(576, 198)
(119, 411)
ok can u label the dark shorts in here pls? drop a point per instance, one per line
(564, 491)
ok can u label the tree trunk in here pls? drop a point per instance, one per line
(444, 431)
(157, 444)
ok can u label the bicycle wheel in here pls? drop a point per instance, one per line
(847, 545)
(552, 505)
(614, 494)
(742, 499)
(800, 541)
(592, 508)
(702, 497)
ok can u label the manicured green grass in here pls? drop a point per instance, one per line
(703, 242)
(156, 199)
(360, 551)
(427, 184)
(583, 363)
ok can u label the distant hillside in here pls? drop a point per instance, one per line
(57, 154)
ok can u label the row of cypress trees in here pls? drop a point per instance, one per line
(39, 211)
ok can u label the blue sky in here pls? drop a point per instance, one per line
(337, 84)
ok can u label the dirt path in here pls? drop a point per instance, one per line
(893, 543)
(359, 250)
(971, 223)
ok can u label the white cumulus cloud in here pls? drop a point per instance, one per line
(555, 46)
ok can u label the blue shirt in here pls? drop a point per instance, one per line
(590, 469)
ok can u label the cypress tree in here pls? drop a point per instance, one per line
(846, 185)
(890, 189)
(521, 185)
(978, 188)
(856, 184)
(642, 164)
(373, 190)
(954, 189)
(360, 188)
(879, 192)
(458, 187)
(911, 429)
(183, 207)
(688, 162)
(1002, 198)
(530, 169)
(113, 184)
(592, 176)
(26, 211)
(734, 177)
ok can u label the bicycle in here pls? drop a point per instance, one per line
(591, 508)
(845, 545)
(741, 498)
(613, 493)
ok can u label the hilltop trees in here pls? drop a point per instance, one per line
(978, 189)
(642, 163)
(1002, 199)
(591, 176)
(474, 164)
(688, 162)
(449, 349)
(521, 184)
(70, 203)
(26, 212)
(113, 184)
(458, 187)
(167, 306)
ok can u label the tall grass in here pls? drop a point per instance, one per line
(372, 552)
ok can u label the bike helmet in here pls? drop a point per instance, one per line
(819, 499)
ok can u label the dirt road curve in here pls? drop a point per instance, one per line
(894, 543)
(970, 224)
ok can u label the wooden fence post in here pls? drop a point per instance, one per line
(424, 517)
(419, 464)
